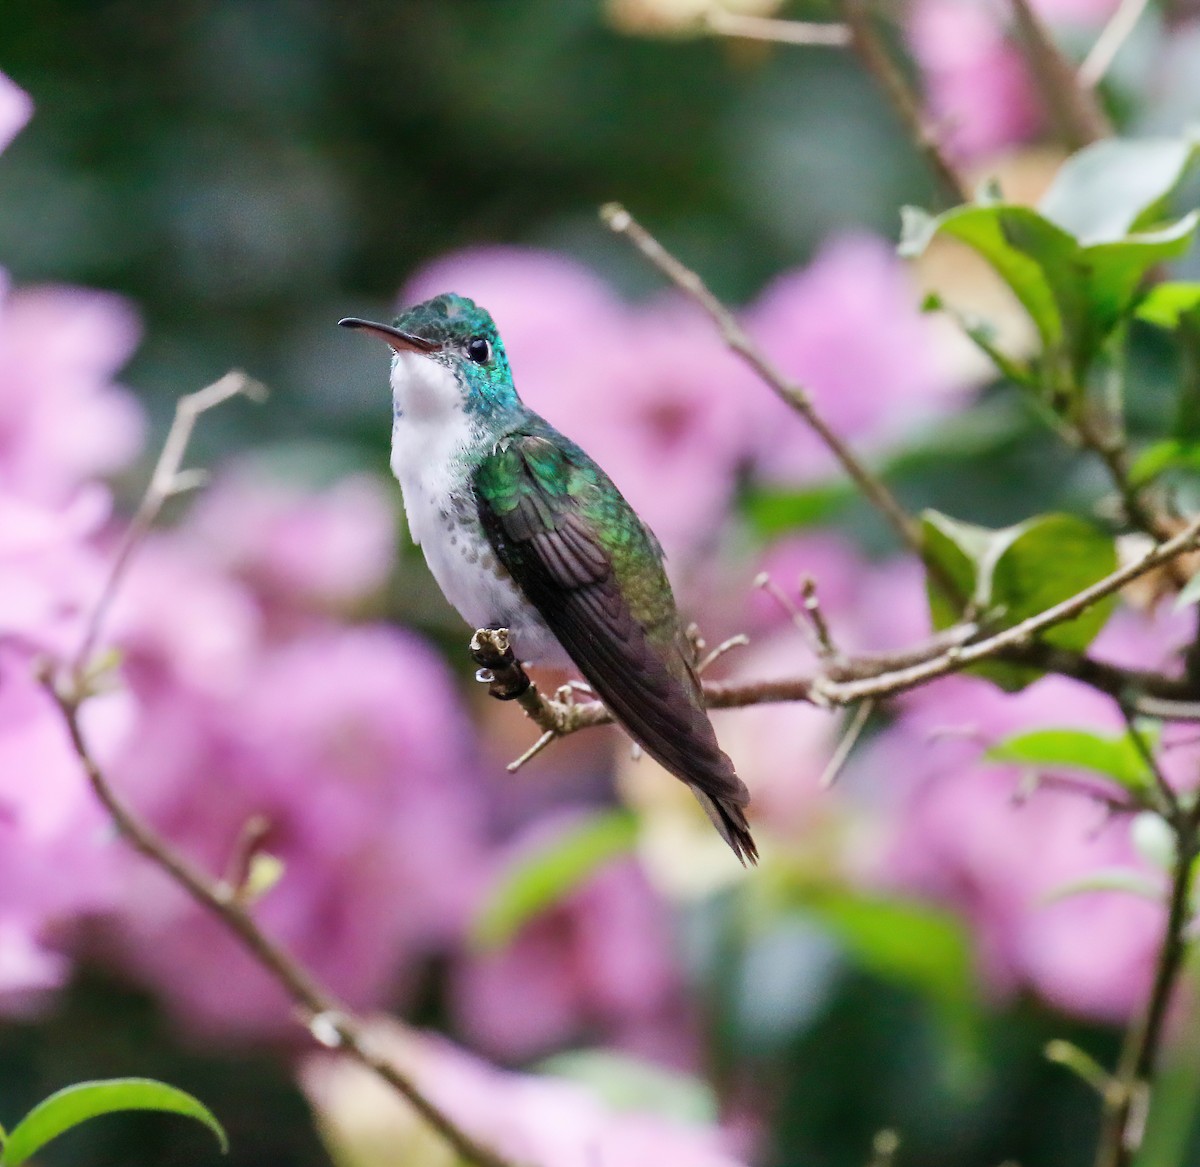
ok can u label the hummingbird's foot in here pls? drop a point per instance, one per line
(499, 668)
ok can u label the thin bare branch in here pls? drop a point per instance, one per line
(738, 640)
(533, 751)
(786, 32)
(874, 54)
(621, 222)
(1073, 106)
(844, 747)
(1127, 1099)
(959, 657)
(321, 1010)
(1108, 44)
(327, 1019)
(826, 649)
(1168, 800)
(849, 681)
(167, 480)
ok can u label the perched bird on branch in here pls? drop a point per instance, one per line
(522, 530)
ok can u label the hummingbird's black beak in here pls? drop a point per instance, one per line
(402, 342)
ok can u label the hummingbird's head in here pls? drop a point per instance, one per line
(447, 356)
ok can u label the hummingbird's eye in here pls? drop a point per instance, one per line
(479, 350)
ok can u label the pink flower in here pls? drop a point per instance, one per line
(848, 329)
(16, 108)
(50, 573)
(55, 848)
(781, 750)
(597, 963)
(350, 748)
(869, 607)
(533, 1120)
(963, 837)
(978, 87)
(62, 420)
(295, 545)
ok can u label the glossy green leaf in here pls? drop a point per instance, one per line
(628, 1083)
(1107, 190)
(75, 1104)
(1167, 303)
(958, 549)
(1018, 572)
(540, 880)
(1170, 454)
(1115, 270)
(1117, 758)
(1033, 256)
(1051, 559)
(1075, 293)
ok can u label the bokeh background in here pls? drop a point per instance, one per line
(207, 185)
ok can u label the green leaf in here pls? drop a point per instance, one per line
(628, 1083)
(1116, 270)
(962, 551)
(1018, 572)
(544, 878)
(906, 942)
(1117, 758)
(1170, 454)
(1111, 188)
(1051, 559)
(773, 512)
(75, 1104)
(1167, 303)
(1075, 293)
(1028, 252)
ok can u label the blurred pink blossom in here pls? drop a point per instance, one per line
(597, 965)
(315, 549)
(782, 750)
(978, 88)
(534, 1120)
(848, 328)
(16, 108)
(349, 744)
(50, 572)
(55, 846)
(961, 836)
(62, 420)
(869, 606)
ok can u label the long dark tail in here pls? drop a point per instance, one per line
(729, 818)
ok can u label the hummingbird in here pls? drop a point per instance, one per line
(523, 530)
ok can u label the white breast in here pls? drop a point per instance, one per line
(431, 435)
(432, 438)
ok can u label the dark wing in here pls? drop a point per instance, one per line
(594, 573)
